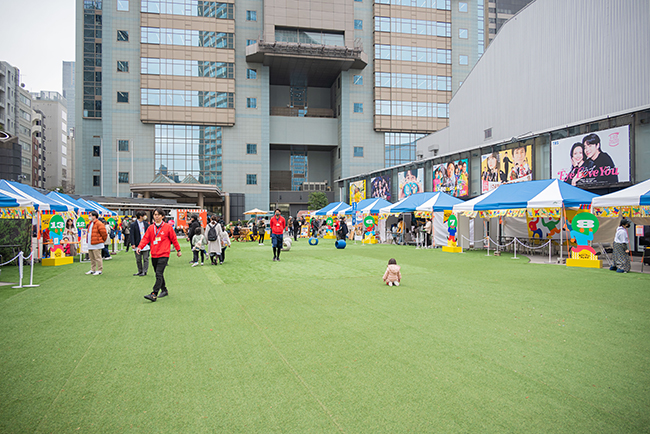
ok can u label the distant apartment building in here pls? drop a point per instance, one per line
(38, 150)
(16, 116)
(269, 99)
(58, 151)
(500, 11)
(68, 87)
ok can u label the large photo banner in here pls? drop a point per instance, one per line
(357, 191)
(594, 159)
(380, 187)
(410, 182)
(511, 165)
(451, 178)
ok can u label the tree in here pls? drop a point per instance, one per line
(317, 200)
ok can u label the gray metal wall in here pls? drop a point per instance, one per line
(555, 63)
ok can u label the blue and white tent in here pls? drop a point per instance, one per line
(332, 208)
(439, 202)
(548, 193)
(367, 206)
(7, 201)
(95, 206)
(638, 194)
(25, 192)
(64, 198)
(412, 202)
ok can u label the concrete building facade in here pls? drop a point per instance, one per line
(270, 99)
(68, 86)
(58, 151)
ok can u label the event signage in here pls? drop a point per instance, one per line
(451, 178)
(56, 227)
(583, 227)
(511, 165)
(452, 228)
(357, 191)
(81, 223)
(380, 187)
(595, 159)
(410, 182)
(354, 213)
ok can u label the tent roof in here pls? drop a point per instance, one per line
(69, 201)
(368, 206)
(638, 194)
(548, 193)
(411, 203)
(8, 201)
(332, 208)
(439, 202)
(40, 201)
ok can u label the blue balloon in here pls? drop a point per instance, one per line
(313, 241)
(340, 244)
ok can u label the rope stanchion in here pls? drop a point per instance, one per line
(12, 259)
(20, 270)
(31, 272)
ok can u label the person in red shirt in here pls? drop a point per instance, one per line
(160, 236)
(277, 230)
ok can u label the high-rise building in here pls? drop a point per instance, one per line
(38, 150)
(269, 99)
(69, 92)
(500, 11)
(55, 136)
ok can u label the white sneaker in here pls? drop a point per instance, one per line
(195, 264)
(396, 283)
(201, 263)
(90, 272)
(97, 273)
(390, 283)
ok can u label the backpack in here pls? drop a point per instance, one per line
(212, 233)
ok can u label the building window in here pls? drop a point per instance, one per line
(122, 97)
(488, 133)
(251, 102)
(251, 179)
(250, 42)
(96, 151)
(462, 33)
(123, 5)
(358, 107)
(251, 15)
(123, 145)
(463, 60)
(358, 1)
(358, 79)
(96, 180)
(251, 148)
(251, 74)
(358, 151)
(358, 24)
(122, 66)
(123, 35)
(123, 177)
(462, 7)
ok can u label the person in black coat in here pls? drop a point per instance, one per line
(138, 228)
(296, 228)
(194, 223)
(342, 233)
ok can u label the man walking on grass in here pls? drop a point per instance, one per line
(277, 229)
(160, 236)
(137, 230)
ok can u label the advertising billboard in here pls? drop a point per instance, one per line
(357, 191)
(410, 182)
(594, 159)
(380, 187)
(511, 165)
(451, 178)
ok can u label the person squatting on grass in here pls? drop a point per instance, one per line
(199, 242)
(278, 224)
(97, 236)
(392, 276)
(621, 251)
(160, 236)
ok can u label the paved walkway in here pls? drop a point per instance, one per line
(541, 259)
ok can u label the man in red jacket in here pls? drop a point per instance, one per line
(160, 236)
(277, 230)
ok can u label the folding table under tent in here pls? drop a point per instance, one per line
(331, 209)
(437, 205)
(539, 200)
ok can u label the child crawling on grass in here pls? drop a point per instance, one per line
(392, 276)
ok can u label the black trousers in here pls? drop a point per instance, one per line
(196, 255)
(223, 254)
(262, 237)
(159, 265)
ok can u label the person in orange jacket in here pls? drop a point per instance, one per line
(97, 236)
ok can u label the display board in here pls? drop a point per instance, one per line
(380, 187)
(511, 165)
(451, 178)
(595, 159)
(357, 191)
(410, 182)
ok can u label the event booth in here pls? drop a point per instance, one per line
(16, 215)
(533, 214)
(365, 219)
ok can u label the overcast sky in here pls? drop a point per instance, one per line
(37, 36)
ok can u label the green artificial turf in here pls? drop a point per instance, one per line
(317, 343)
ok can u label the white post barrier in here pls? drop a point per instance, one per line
(515, 241)
(31, 273)
(488, 245)
(20, 270)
